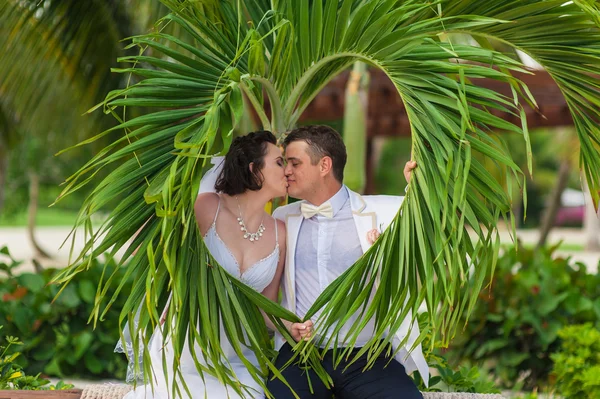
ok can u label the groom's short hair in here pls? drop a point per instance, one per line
(322, 141)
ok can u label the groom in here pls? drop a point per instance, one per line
(326, 233)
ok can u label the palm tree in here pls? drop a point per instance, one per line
(56, 64)
(7, 140)
(287, 51)
(355, 126)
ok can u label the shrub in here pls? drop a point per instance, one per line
(577, 364)
(12, 375)
(514, 325)
(58, 340)
(451, 379)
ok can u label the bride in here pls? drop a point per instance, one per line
(248, 243)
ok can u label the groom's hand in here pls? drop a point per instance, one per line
(408, 168)
(301, 330)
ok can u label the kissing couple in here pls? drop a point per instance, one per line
(301, 249)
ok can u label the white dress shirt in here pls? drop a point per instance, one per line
(326, 248)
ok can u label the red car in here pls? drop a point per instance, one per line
(572, 208)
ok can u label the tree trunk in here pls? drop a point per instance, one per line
(3, 171)
(591, 221)
(355, 127)
(374, 151)
(517, 209)
(34, 186)
(554, 202)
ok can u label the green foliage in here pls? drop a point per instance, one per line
(58, 340)
(12, 375)
(47, 84)
(7, 262)
(545, 164)
(577, 363)
(394, 154)
(192, 89)
(528, 395)
(465, 379)
(515, 325)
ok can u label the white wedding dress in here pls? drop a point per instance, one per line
(257, 276)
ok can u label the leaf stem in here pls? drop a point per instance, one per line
(278, 124)
(257, 106)
(290, 115)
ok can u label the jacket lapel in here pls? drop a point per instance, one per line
(293, 223)
(364, 221)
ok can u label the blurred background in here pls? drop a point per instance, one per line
(56, 65)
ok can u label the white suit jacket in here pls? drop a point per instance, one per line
(369, 212)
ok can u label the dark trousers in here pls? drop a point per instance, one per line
(379, 382)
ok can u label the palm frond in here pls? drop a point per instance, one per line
(443, 242)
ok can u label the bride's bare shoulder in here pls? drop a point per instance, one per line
(207, 199)
(205, 208)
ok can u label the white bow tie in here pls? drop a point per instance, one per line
(309, 210)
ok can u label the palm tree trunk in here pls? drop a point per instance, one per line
(517, 209)
(34, 186)
(355, 127)
(591, 222)
(554, 202)
(3, 170)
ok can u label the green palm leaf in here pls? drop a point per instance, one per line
(445, 235)
(56, 63)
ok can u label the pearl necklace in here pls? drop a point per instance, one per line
(247, 235)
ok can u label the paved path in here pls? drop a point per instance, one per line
(51, 238)
(568, 236)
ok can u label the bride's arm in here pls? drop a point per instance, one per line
(297, 330)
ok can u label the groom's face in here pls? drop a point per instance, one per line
(303, 177)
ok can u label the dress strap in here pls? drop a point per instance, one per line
(276, 237)
(217, 212)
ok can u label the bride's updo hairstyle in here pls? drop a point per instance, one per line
(236, 176)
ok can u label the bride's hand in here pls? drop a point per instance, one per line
(301, 330)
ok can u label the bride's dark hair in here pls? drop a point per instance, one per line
(236, 176)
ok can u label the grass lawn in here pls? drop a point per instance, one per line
(564, 246)
(45, 217)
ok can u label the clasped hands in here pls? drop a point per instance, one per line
(300, 331)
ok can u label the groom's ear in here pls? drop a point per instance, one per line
(251, 166)
(325, 165)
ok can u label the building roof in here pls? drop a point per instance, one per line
(387, 116)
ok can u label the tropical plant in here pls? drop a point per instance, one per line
(514, 327)
(56, 338)
(577, 364)
(448, 378)
(12, 375)
(56, 64)
(355, 127)
(287, 51)
(395, 152)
